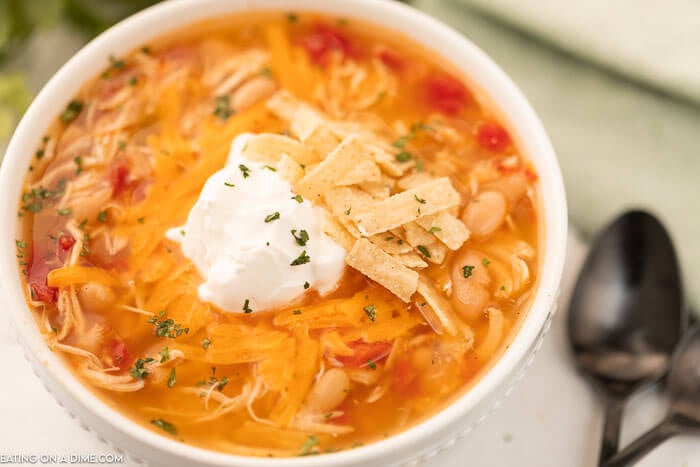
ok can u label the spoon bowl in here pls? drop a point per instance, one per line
(627, 313)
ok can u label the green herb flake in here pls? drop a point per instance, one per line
(165, 426)
(503, 288)
(292, 17)
(172, 378)
(246, 306)
(424, 251)
(270, 168)
(371, 365)
(308, 446)
(467, 271)
(272, 217)
(296, 312)
(164, 354)
(141, 220)
(404, 156)
(167, 327)
(102, 216)
(244, 170)
(231, 185)
(72, 111)
(298, 199)
(434, 229)
(206, 342)
(303, 258)
(485, 262)
(21, 244)
(302, 238)
(134, 80)
(347, 211)
(222, 383)
(121, 145)
(420, 200)
(306, 285)
(146, 50)
(39, 154)
(63, 212)
(266, 72)
(117, 63)
(139, 370)
(222, 107)
(369, 311)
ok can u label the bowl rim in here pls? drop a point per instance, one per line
(161, 18)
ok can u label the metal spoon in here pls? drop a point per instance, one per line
(626, 314)
(684, 414)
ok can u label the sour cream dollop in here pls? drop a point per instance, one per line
(256, 245)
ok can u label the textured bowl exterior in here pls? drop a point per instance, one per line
(416, 444)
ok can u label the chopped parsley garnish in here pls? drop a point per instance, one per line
(21, 244)
(434, 229)
(306, 285)
(272, 217)
(139, 371)
(467, 271)
(117, 63)
(302, 238)
(182, 232)
(298, 199)
(206, 342)
(164, 354)
(503, 288)
(72, 111)
(172, 378)
(165, 426)
(223, 382)
(141, 220)
(223, 108)
(389, 238)
(307, 448)
(39, 153)
(167, 327)
(303, 258)
(292, 17)
(133, 81)
(296, 312)
(82, 224)
(121, 145)
(101, 216)
(369, 310)
(79, 163)
(244, 170)
(229, 184)
(424, 251)
(246, 306)
(420, 200)
(146, 50)
(266, 72)
(404, 156)
(347, 211)
(63, 212)
(270, 168)
(371, 364)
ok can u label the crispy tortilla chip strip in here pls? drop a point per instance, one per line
(417, 235)
(436, 252)
(381, 267)
(347, 164)
(411, 260)
(269, 147)
(387, 161)
(391, 243)
(289, 170)
(413, 180)
(283, 105)
(337, 232)
(407, 206)
(447, 228)
(344, 203)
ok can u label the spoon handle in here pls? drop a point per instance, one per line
(611, 428)
(644, 444)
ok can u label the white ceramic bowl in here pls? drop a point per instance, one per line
(415, 444)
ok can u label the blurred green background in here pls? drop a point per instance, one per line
(617, 86)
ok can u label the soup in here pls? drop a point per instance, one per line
(278, 234)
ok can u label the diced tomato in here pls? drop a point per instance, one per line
(322, 41)
(43, 292)
(365, 353)
(119, 353)
(66, 242)
(391, 59)
(118, 174)
(492, 137)
(405, 380)
(446, 93)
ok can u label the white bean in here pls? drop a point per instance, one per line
(95, 297)
(329, 391)
(470, 295)
(485, 213)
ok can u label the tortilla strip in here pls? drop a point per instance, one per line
(289, 169)
(334, 229)
(344, 202)
(413, 180)
(390, 243)
(417, 235)
(381, 267)
(437, 252)
(269, 147)
(284, 105)
(411, 260)
(407, 206)
(452, 231)
(347, 164)
(387, 161)
(311, 128)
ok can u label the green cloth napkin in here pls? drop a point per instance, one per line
(620, 145)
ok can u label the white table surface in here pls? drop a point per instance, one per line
(552, 419)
